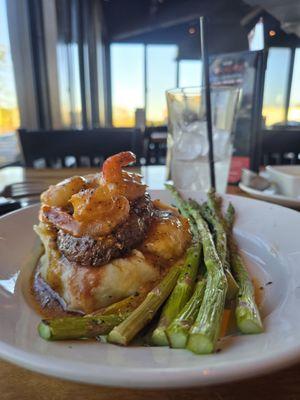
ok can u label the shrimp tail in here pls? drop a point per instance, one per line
(112, 167)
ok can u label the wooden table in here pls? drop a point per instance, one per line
(20, 384)
(154, 176)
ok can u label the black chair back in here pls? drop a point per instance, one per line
(63, 148)
(280, 147)
(156, 145)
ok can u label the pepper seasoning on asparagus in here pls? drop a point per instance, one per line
(121, 307)
(78, 327)
(246, 312)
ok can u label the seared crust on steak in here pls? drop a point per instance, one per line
(87, 251)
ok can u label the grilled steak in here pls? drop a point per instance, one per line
(90, 252)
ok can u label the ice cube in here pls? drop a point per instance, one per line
(190, 141)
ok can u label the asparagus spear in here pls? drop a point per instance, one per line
(179, 296)
(99, 322)
(204, 332)
(178, 331)
(182, 290)
(126, 331)
(246, 312)
(126, 305)
(211, 212)
(78, 327)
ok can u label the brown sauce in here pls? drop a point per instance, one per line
(45, 300)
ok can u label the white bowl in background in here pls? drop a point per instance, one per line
(287, 178)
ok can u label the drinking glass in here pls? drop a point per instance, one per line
(187, 157)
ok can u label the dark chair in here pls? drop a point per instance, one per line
(280, 147)
(156, 145)
(68, 148)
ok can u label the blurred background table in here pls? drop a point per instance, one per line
(154, 176)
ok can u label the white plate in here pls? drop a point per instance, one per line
(285, 201)
(269, 238)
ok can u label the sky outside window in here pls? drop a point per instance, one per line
(69, 84)
(9, 114)
(294, 109)
(64, 90)
(190, 73)
(256, 36)
(275, 85)
(161, 76)
(127, 79)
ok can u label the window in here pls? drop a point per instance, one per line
(69, 84)
(294, 108)
(130, 102)
(190, 73)
(127, 79)
(9, 112)
(256, 36)
(161, 76)
(276, 81)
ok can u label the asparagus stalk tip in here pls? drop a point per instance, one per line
(178, 331)
(200, 343)
(78, 327)
(44, 330)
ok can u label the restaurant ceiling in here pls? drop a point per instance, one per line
(177, 21)
(286, 11)
(127, 19)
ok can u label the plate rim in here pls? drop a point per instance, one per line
(279, 197)
(164, 378)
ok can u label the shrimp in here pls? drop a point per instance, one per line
(99, 203)
(122, 182)
(100, 227)
(96, 213)
(60, 194)
(112, 167)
